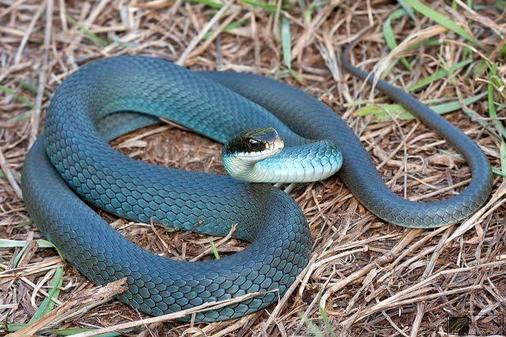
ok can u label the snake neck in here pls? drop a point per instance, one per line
(243, 170)
(299, 164)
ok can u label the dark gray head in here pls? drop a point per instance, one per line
(254, 144)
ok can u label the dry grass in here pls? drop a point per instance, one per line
(366, 277)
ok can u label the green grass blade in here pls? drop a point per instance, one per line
(97, 40)
(312, 8)
(20, 117)
(327, 323)
(228, 28)
(214, 250)
(75, 331)
(13, 327)
(500, 4)
(47, 304)
(308, 15)
(441, 19)
(286, 42)
(386, 112)
(18, 256)
(5, 243)
(26, 101)
(209, 3)
(440, 74)
(495, 81)
(19, 98)
(502, 154)
(498, 172)
(389, 34)
(492, 79)
(456, 105)
(409, 10)
(32, 88)
(271, 8)
(314, 330)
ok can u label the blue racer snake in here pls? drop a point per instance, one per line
(107, 98)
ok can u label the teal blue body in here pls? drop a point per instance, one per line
(110, 97)
(297, 164)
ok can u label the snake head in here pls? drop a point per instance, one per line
(254, 145)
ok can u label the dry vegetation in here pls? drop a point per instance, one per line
(366, 277)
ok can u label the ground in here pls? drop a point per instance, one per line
(366, 277)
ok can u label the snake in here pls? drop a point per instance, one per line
(71, 170)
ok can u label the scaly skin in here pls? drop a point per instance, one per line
(73, 157)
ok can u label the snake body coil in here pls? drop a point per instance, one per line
(113, 96)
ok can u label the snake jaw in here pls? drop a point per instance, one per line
(243, 152)
(254, 145)
(271, 149)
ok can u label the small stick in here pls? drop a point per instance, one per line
(4, 165)
(79, 304)
(28, 32)
(35, 119)
(202, 33)
(214, 35)
(495, 202)
(406, 240)
(171, 316)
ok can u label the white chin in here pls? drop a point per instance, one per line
(256, 157)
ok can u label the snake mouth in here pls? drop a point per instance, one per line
(271, 149)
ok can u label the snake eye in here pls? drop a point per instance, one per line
(253, 143)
